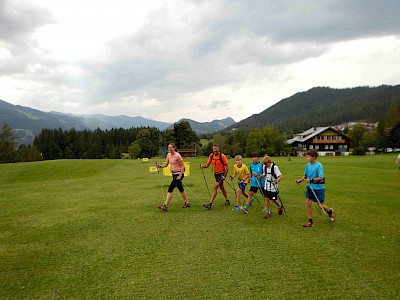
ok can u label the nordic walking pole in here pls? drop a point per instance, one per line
(190, 190)
(261, 191)
(318, 208)
(205, 180)
(280, 199)
(161, 183)
(323, 210)
(233, 189)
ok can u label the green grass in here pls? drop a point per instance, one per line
(89, 229)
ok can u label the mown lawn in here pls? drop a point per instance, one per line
(90, 229)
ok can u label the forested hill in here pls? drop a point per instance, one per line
(324, 106)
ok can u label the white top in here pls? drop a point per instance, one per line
(268, 179)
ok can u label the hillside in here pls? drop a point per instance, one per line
(324, 106)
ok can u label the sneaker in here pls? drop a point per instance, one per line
(332, 216)
(208, 206)
(163, 207)
(266, 216)
(244, 209)
(280, 210)
(186, 205)
(227, 202)
(309, 224)
(236, 208)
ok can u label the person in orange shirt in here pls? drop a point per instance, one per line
(221, 168)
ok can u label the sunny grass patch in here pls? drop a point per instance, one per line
(84, 229)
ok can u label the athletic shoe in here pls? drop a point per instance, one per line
(208, 206)
(266, 216)
(227, 202)
(280, 210)
(332, 216)
(309, 224)
(186, 205)
(244, 209)
(163, 207)
(236, 208)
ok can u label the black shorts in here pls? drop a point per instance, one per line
(271, 195)
(176, 183)
(218, 178)
(254, 189)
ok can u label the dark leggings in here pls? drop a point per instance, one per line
(176, 183)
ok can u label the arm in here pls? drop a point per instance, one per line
(205, 166)
(164, 164)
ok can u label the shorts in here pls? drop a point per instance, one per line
(218, 178)
(271, 195)
(176, 183)
(242, 186)
(320, 194)
(254, 189)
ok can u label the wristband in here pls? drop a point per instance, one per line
(311, 180)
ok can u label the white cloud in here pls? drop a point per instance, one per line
(202, 60)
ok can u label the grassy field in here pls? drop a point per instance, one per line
(90, 229)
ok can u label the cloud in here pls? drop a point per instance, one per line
(189, 56)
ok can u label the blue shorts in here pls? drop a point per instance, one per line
(242, 186)
(320, 194)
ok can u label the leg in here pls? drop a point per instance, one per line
(168, 199)
(223, 189)
(238, 196)
(309, 208)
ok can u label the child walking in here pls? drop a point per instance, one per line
(272, 176)
(257, 181)
(314, 176)
(241, 171)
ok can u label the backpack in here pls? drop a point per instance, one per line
(220, 157)
(273, 175)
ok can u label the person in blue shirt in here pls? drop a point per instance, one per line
(257, 180)
(314, 176)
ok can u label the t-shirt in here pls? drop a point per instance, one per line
(269, 179)
(313, 171)
(174, 162)
(258, 169)
(215, 160)
(241, 172)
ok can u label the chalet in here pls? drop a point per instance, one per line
(326, 140)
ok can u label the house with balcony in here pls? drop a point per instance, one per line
(326, 140)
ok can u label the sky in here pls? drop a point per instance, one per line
(196, 59)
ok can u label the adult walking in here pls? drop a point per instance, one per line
(221, 167)
(177, 170)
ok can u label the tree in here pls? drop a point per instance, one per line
(134, 149)
(184, 135)
(8, 142)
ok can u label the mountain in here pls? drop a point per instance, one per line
(28, 122)
(324, 106)
(128, 122)
(208, 127)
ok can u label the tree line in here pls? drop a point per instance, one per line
(141, 142)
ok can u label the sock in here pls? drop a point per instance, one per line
(310, 220)
(330, 212)
(247, 206)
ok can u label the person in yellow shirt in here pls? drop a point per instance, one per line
(241, 171)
